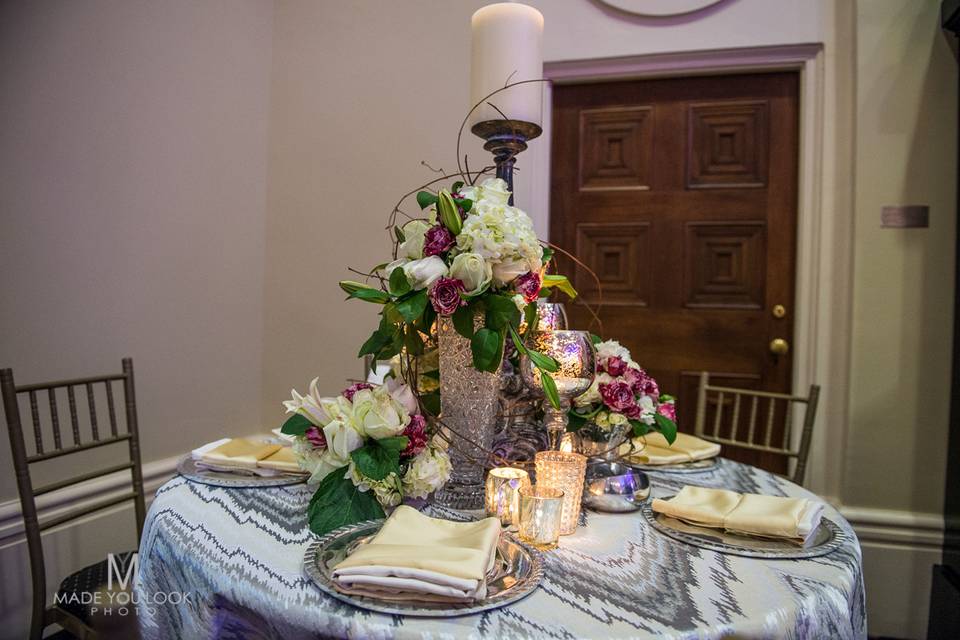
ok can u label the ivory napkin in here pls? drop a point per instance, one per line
(751, 514)
(416, 557)
(686, 448)
(240, 455)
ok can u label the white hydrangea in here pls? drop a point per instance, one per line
(427, 472)
(499, 233)
(389, 491)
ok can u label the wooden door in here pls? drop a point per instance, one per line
(681, 195)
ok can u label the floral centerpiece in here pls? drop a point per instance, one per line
(367, 448)
(622, 399)
(471, 254)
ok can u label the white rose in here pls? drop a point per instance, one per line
(612, 348)
(495, 190)
(508, 270)
(382, 417)
(424, 272)
(413, 234)
(473, 271)
(428, 471)
(402, 394)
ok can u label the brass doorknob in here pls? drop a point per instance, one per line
(779, 346)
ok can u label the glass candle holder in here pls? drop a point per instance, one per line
(503, 493)
(564, 471)
(541, 509)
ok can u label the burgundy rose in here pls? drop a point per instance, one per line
(446, 295)
(617, 395)
(437, 240)
(315, 436)
(615, 366)
(528, 285)
(416, 433)
(352, 389)
(641, 383)
(633, 412)
(668, 410)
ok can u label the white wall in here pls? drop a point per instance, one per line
(133, 168)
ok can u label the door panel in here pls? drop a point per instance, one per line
(680, 194)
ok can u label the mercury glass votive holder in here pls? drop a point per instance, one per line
(541, 509)
(503, 494)
(564, 471)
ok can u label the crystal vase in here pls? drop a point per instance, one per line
(468, 407)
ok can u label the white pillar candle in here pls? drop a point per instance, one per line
(507, 47)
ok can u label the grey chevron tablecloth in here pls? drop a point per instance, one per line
(226, 563)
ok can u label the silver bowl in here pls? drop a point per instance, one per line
(614, 487)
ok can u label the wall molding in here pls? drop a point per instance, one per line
(890, 526)
(155, 473)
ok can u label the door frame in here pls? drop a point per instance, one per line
(823, 288)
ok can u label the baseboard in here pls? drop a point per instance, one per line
(155, 473)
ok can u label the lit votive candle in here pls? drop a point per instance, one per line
(540, 511)
(503, 493)
(564, 471)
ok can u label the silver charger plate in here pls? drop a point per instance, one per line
(827, 538)
(518, 571)
(698, 466)
(189, 470)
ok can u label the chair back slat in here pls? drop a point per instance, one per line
(92, 406)
(54, 419)
(35, 415)
(753, 419)
(717, 415)
(771, 408)
(74, 422)
(41, 615)
(112, 412)
(705, 394)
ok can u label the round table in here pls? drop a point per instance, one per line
(218, 562)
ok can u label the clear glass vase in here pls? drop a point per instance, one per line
(468, 406)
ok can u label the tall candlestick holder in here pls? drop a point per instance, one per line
(505, 139)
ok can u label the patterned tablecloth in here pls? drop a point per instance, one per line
(226, 563)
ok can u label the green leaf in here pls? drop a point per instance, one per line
(337, 503)
(487, 348)
(550, 389)
(544, 363)
(378, 459)
(431, 402)
(364, 292)
(456, 186)
(518, 343)
(595, 338)
(463, 321)
(399, 284)
(397, 231)
(639, 428)
(412, 341)
(390, 315)
(531, 315)
(666, 426)
(411, 308)
(377, 341)
(296, 425)
(449, 215)
(575, 420)
(547, 254)
(425, 323)
(425, 199)
(559, 282)
(501, 312)
(465, 204)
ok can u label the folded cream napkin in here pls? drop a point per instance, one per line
(685, 448)
(765, 516)
(239, 455)
(419, 558)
